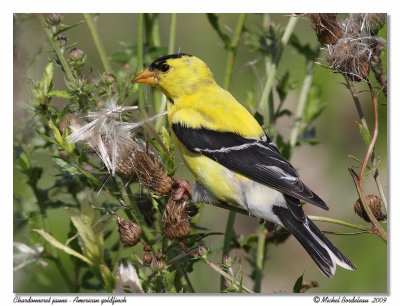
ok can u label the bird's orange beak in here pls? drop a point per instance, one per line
(146, 77)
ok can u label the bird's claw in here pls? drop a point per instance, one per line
(181, 190)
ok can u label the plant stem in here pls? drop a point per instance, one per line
(263, 107)
(260, 257)
(358, 179)
(377, 229)
(140, 57)
(172, 33)
(313, 218)
(229, 231)
(234, 42)
(99, 46)
(374, 135)
(305, 89)
(57, 50)
(340, 222)
(364, 123)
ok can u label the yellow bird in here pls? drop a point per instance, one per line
(232, 158)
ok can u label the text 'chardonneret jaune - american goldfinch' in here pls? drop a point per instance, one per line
(232, 158)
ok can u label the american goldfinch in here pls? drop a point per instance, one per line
(232, 158)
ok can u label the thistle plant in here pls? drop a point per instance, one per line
(129, 222)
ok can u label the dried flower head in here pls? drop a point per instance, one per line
(350, 56)
(147, 259)
(327, 28)
(374, 203)
(176, 220)
(129, 232)
(147, 248)
(149, 172)
(110, 137)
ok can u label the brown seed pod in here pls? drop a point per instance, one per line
(149, 172)
(129, 232)
(327, 28)
(176, 220)
(147, 259)
(147, 248)
(374, 203)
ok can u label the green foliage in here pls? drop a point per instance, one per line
(298, 284)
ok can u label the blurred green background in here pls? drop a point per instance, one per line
(323, 167)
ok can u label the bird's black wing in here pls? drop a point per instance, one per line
(257, 159)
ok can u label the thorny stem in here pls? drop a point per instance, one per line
(358, 179)
(57, 50)
(213, 266)
(140, 56)
(374, 135)
(365, 125)
(302, 102)
(232, 50)
(260, 257)
(99, 46)
(229, 232)
(224, 274)
(263, 104)
(377, 227)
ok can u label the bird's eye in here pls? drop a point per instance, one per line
(164, 67)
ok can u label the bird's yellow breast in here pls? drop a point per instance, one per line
(216, 109)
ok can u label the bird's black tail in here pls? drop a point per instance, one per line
(321, 250)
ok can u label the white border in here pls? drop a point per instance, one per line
(182, 6)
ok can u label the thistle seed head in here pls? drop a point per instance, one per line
(147, 259)
(129, 232)
(176, 220)
(327, 28)
(375, 204)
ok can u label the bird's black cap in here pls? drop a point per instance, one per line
(161, 60)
